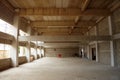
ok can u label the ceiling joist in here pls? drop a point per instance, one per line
(85, 5)
(62, 12)
(65, 38)
(61, 23)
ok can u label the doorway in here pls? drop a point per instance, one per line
(93, 54)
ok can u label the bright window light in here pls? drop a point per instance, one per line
(22, 51)
(4, 51)
(6, 27)
(22, 33)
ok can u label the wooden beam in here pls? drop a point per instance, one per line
(5, 41)
(52, 23)
(64, 38)
(7, 4)
(116, 36)
(61, 23)
(85, 23)
(59, 33)
(61, 45)
(61, 30)
(6, 36)
(85, 5)
(62, 12)
(115, 5)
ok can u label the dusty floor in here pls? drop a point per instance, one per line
(61, 69)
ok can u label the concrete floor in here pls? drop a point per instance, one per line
(61, 69)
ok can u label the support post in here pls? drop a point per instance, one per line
(80, 55)
(97, 56)
(28, 53)
(36, 50)
(96, 44)
(112, 43)
(112, 53)
(14, 45)
(40, 51)
(88, 52)
(28, 46)
(83, 52)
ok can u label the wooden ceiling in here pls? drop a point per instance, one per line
(63, 17)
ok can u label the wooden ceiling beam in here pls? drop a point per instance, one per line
(51, 23)
(65, 38)
(62, 12)
(61, 30)
(61, 23)
(85, 5)
(7, 4)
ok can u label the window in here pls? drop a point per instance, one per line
(22, 51)
(42, 52)
(33, 51)
(6, 28)
(4, 51)
(22, 33)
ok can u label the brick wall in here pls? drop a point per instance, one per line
(118, 52)
(104, 53)
(116, 25)
(5, 64)
(103, 27)
(22, 60)
(65, 52)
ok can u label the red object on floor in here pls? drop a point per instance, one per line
(59, 55)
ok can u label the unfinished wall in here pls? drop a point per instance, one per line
(5, 64)
(103, 47)
(118, 51)
(104, 52)
(65, 52)
(5, 12)
(92, 32)
(103, 27)
(22, 60)
(116, 21)
(23, 24)
(116, 25)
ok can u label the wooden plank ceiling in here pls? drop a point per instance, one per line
(63, 17)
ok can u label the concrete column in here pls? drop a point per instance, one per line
(88, 47)
(96, 44)
(112, 43)
(40, 51)
(83, 52)
(88, 52)
(36, 51)
(28, 46)
(79, 51)
(28, 52)
(112, 47)
(97, 56)
(43, 52)
(14, 45)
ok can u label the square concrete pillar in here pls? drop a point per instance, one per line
(36, 52)
(112, 53)
(28, 51)
(112, 43)
(28, 46)
(40, 51)
(96, 44)
(97, 56)
(79, 51)
(14, 45)
(88, 51)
